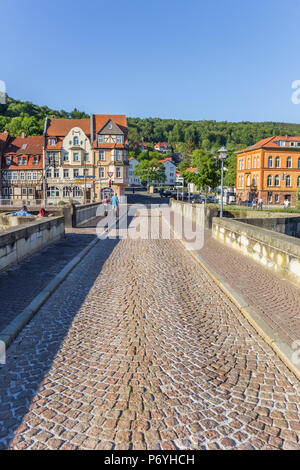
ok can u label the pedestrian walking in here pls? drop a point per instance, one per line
(115, 204)
(260, 203)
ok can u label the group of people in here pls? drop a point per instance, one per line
(257, 203)
(24, 213)
(114, 201)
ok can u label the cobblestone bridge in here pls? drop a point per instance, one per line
(139, 349)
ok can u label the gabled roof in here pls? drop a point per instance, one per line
(168, 159)
(32, 145)
(271, 142)
(192, 170)
(61, 127)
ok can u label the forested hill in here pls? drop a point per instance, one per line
(17, 116)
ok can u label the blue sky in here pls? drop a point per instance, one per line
(228, 60)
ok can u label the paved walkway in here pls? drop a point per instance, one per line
(139, 349)
(21, 283)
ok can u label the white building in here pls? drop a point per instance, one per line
(170, 171)
(133, 180)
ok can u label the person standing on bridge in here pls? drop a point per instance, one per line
(115, 204)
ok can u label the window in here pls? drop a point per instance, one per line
(86, 157)
(119, 139)
(66, 191)
(269, 180)
(52, 192)
(270, 162)
(75, 140)
(118, 172)
(66, 157)
(100, 138)
(254, 162)
(14, 175)
(66, 173)
(52, 141)
(288, 181)
(56, 173)
(101, 155)
(277, 180)
(101, 173)
(24, 191)
(276, 198)
(19, 160)
(49, 173)
(243, 164)
(8, 161)
(30, 191)
(248, 163)
(76, 157)
(257, 162)
(298, 162)
(292, 144)
(289, 162)
(29, 175)
(8, 175)
(282, 143)
(298, 181)
(75, 173)
(118, 155)
(34, 175)
(35, 160)
(77, 191)
(240, 164)
(24, 161)
(22, 175)
(277, 162)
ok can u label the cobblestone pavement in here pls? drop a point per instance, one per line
(139, 349)
(21, 283)
(275, 299)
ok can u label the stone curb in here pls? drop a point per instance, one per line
(9, 333)
(271, 337)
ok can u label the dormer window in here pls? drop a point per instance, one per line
(8, 161)
(75, 140)
(119, 139)
(282, 143)
(52, 141)
(292, 144)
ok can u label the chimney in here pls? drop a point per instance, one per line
(23, 135)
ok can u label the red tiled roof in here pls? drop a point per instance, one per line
(32, 145)
(61, 127)
(169, 159)
(272, 142)
(162, 144)
(100, 120)
(191, 170)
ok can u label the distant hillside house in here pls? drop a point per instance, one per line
(163, 147)
(133, 180)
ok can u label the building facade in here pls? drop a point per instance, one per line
(163, 147)
(22, 169)
(270, 170)
(170, 171)
(133, 180)
(110, 154)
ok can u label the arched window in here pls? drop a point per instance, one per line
(277, 180)
(66, 191)
(288, 181)
(270, 162)
(75, 140)
(269, 180)
(289, 162)
(298, 181)
(52, 192)
(77, 191)
(277, 162)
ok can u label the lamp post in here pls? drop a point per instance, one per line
(222, 156)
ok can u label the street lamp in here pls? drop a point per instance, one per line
(222, 156)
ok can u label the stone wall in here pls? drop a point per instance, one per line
(200, 214)
(19, 243)
(84, 213)
(275, 251)
(287, 225)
